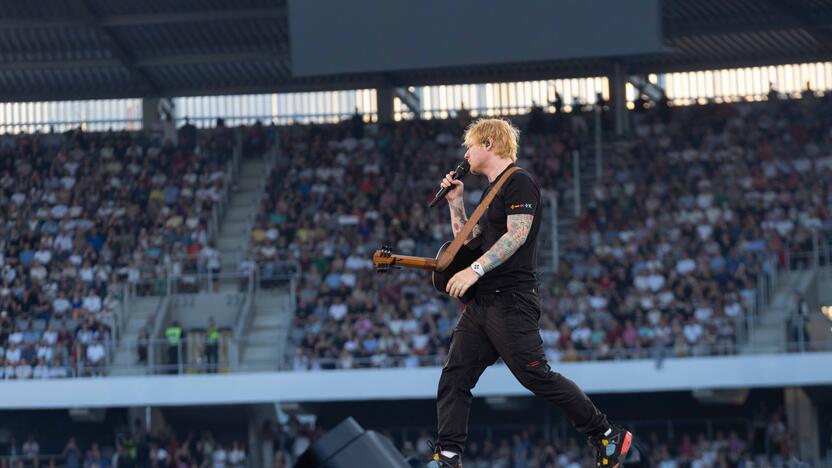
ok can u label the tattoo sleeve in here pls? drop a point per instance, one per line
(518, 227)
(459, 218)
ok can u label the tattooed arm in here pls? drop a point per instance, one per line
(459, 218)
(518, 226)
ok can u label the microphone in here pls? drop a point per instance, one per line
(460, 172)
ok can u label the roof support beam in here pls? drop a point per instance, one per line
(789, 14)
(145, 19)
(192, 17)
(409, 99)
(118, 50)
(149, 62)
(224, 57)
(644, 86)
(746, 25)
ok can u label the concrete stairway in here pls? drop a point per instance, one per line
(239, 216)
(126, 356)
(768, 334)
(566, 204)
(270, 321)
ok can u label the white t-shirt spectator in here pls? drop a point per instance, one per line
(58, 211)
(734, 309)
(87, 274)
(211, 257)
(18, 198)
(60, 305)
(57, 372)
(247, 266)
(338, 311)
(41, 372)
(9, 274)
(655, 282)
(237, 458)
(692, 332)
(133, 274)
(703, 313)
(220, 457)
(685, 266)
(641, 282)
(38, 272)
(410, 326)
(84, 336)
(665, 297)
(23, 371)
(95, 353)
(272, 234)
(31, 448)
(348, 279)
(550, 336)
(355, 262)
(45, 352)
(581, 334)
(44, 256)
(16, 337)
(68, 181)
(420, 342)
(598, 302)
(268, 251)
(704, 231)
(92, 303)
(51, 337)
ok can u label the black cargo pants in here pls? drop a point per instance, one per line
(503, 324)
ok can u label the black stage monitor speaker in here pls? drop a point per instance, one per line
(348, 445)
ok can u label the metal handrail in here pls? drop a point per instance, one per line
(269, 160)
(657, 354)
(232, 168)
(243, 318)
(613, 354)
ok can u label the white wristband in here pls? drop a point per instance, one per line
(478, 269)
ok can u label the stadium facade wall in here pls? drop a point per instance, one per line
(777, 370)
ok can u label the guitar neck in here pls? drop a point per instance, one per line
(415, 262)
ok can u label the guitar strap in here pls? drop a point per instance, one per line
(448, 255)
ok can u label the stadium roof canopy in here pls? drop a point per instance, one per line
(78, 49)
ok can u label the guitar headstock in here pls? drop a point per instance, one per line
(383, 259)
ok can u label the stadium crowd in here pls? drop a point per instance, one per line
(665, 259)
(527, 448)
(139, 450)
(82, 213)
(765, 440)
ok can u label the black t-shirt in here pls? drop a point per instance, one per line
(519, 195)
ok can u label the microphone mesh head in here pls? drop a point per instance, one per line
(464, 167)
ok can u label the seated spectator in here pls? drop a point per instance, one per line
(96, 357)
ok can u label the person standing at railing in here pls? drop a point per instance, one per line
(174, 335)
(212, 346)
(799, 321)
(211, 259)
(141, 346)
(31, 450)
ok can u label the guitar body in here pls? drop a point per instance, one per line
(463, 259)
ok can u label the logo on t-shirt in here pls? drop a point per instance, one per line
(521, 205)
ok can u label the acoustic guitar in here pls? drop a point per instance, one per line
(384, 260)
(459, 254)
